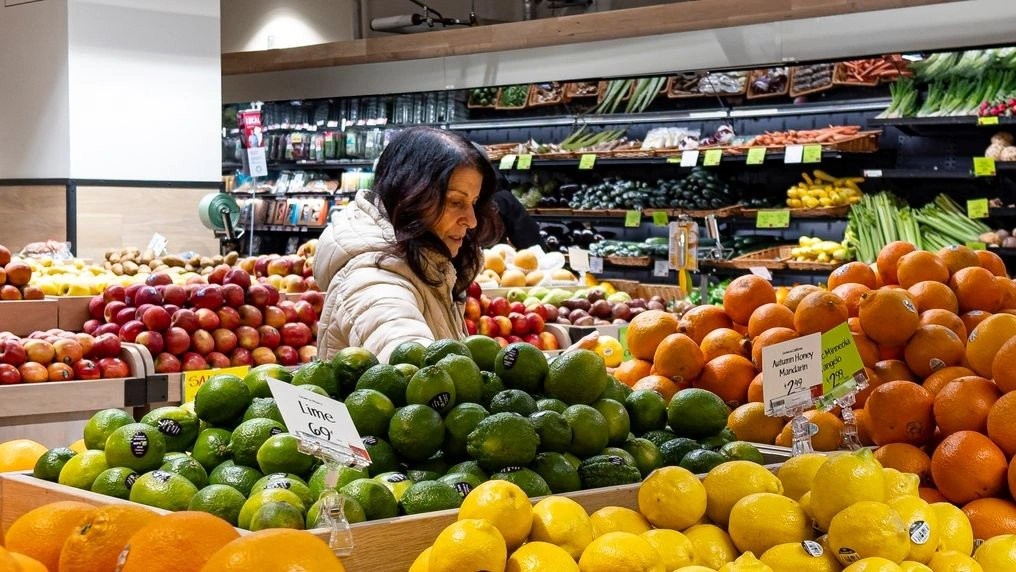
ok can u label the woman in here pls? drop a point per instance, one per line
(398, 259)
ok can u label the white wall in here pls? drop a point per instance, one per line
(247, 25)
(145, 89)
(33, 91)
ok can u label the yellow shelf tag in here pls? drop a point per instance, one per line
(507, 161)
(984, 167)
(977, 246)
(812, 154)
(632, 219)
(988, 120)
(587, 161)
(841, 361)
(660, 218)
(712, 157)
(193, 380)
(525, 161)
(977, 208)
(778, 218)
(756, 156)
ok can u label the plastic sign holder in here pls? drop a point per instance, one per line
(845, 395)
(332, 515)
(843, 378)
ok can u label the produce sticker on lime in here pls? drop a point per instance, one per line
(193, 380)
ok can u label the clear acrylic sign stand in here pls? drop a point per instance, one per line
(801, 432)
(845, 395)
(332, 516)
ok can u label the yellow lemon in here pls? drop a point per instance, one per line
(798, 473)
(794, 557)
(695, 568)
(952, 561)
(762, 520)
(675, 549)
(422, 562)
(730, 482)
(867, 529)
(911, 566)
(672, 497)
(78, 446)
(843, 480)
(469, 544)
(873, 564)
(997, 554)
(617, 519)
(505, 505)
(746, 563)
(805, 502)
(899, 484)
(562, 522)
(922, 525)
(955, 532)
(539, 556)
(713, 546)
(620, 551)
(610, 350)
(20, 455)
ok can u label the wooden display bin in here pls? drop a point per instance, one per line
(22, 317)
(72, 312)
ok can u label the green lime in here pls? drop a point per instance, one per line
(659, 436)
(178, 426)
(239, 477)
(433, 387)
(370, 410)
(350, 509)
(523, 366)
(674, 450)
(553, 429)
(503, 440)
(136, 446)
(382, 455)
(577, 377)
(527, 480)
(256, 379)
(316, 482)
(619, 452)
(256, 500)
(463, 483)
(459, 422)
(714, 442)
(319, 374)
(102, 424)
(248, 437)
(222, 399)
(492, 385)
(263, 408)
(51, 462)
(408, 352)
(606, 471)
(590, 433)
(348, 365)
(742, 451)
(115, 482)
(315, 389)
(647, 411)
(387, 379)
(396, 482)
(223, 501)
(420, 475)
(551, 404)
(575, 461)
(377, 501)
(647, 456)
(469, 468)
(513, 401)
(438, 463)
(281, 454)
(416, 432)
(484, 350)
(697, 413)
(284, 481)
(438, 349)
(615, 390)
(407, 370)
(701, 461)
(211, 448)
(187, 468)
(430, 496)
(557, 471)
(618, 423)
(466, 376)
(164, 490)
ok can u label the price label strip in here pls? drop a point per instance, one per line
(712, 157)
(587, 161)
(756, 156)
(793, 154)
(632, 219)
(767, 218)
(988, 120)
(689, 158)
(984, 167)
(660, 218)
(193, 380)
(812, 154)
(977, 208)
(525, 162)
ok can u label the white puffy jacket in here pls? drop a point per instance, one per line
(376, 301)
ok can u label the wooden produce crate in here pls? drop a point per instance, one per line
(72, 312)
(22, 317)
(773, 258)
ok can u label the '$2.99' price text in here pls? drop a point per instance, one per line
(793, 385)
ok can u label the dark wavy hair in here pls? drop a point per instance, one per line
(411, 179)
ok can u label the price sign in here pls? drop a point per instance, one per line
(840, 360)
(712, 157)
(578, 259)
(661, 268)
(676, 159)
(193, 380)
(756, 156)
(689, 158)
(622, 336)
(791, 374)
(989, 120)
(977, 246)
(595, 264)
(507, 161)
(872, 173)
(317, 415)
(525, 161)
(812, 154)
(793, 154)
(984, 167)
(660, 218)
(977, 208)
(632, 219)
(769, 218)
(761, 271)
(257, 164)
(587, 161)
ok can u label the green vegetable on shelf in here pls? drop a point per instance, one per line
(514, 95)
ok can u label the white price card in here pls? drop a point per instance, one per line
(256, 163)
(689, 158)
(595, 264)
(323, 417)
(158, 244)
(761, 271)
(661, 268)
(578, 259)
(793, 154)
(791, 375)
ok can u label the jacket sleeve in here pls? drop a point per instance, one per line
(520, 228)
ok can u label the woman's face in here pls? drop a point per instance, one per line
(458, 217)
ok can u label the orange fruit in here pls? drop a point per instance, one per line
(945, 318)
(40, 533)
(893, 370)
(931, 495)
(7, 561)
(746, 293)
(156, 547)
(20, 455)
(97, 542)
(866, 348)
(986, 339)
(632, 370)
(729, 377)
(920, 266)
(931, 348)
(798, 293)
(750, 423)
(1003, 366)
(766, 338)
(874, 380)
(1001, 428)
(888, 317)
(27, 563)
(647, 330)
(755, 389)
(1011, 478)
(852, 273)
(991, 517)
(664, 386)
(957, 257)
(679, 357)
(701, 320)
(894, 353)
(828, 438)
(905, 458)
(888, 259)
(260, 551)
(1008, 289)
(900, 412)
(724, 341)
(769, 316)
(851, 294)
(973, 318)
(861, 418)
(819, 312)
(740, 328)
(967, 466)
(991, 262)
(928, 295)
(963, 405)
(936, 381)
(976, 289)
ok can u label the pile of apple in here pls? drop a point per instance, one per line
(290, 273)
(15, 276)
(58, 355)
(509, 322)
(229, 321)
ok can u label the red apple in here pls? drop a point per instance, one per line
(293, 284)
(111, 310)
(32, 372)
(520, 326)
(130, 292)
(307, 353)
(517, 307)
(295, 334)
(229, 318)
(261, 266)
(90, 326)
(12, 352)
(174, 294)
(485, 305)
(286, 355)
(470, 327)
(499, 307)
(218, 274)
(550, 313)
(225, 340)
(315, 299)
(536, 322)
(113, 292)
(148, 295)
(217, 359)
(288, 308)
(9, 374)
(513, 339)
(208, 319)
(113, 367)
(474, 290)
(248, 338)
(129, 331)
(97, 307)
(275, 317)
(39, 351)
(167, 363)
(140, 310)
(159, 279)
(193, 362)
(202, 342)
(279, 266)
(196, 280)
(250, 316)
(59, 372)
(312, 285)
(177, 341)
(171, 308)
(153, 341)
(126, 315)
(237, 276)
(209, 296)
(232, 295)
(156, 319)
(273, 294)
(472, 309)
(185, 319)
(240, 357)
(258, 296)
(305, 312)
(539, 310)
(106, 345)
(86, 369)
(533, 339)
(263, 355)
(68, 350)
(486, 326)
(504, 325)
(297, 263)
(269, 337)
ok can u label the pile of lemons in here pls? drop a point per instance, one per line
(821, 189)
